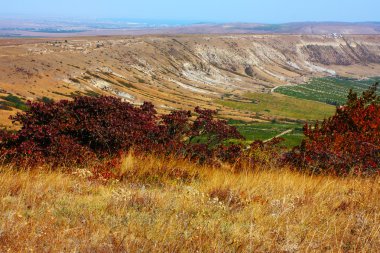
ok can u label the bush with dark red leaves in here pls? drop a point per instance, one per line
(230, 153)
(346, 143)
(88, 128)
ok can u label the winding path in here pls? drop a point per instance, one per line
(279, 135)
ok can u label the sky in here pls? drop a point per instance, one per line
(256, 11)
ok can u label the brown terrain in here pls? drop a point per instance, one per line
(181, 71)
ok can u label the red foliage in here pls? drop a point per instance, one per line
(230, 153)
(348, 142)
(73, 132)
(105, 170)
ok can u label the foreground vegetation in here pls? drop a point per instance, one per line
(175, 206)
(346, 143)
(102, 175)
(99, 130)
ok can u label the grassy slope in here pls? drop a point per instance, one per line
(281, 106)
(329, 89)
(215, 211)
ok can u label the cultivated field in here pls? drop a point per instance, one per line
(267, 130)
(330, 90)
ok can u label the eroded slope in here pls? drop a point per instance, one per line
(179, 71)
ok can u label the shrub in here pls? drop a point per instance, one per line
(265, 154)
(69, 131)
(346, 143)
(230, 153)
(74, 132)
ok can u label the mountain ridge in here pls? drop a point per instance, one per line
(63, 28)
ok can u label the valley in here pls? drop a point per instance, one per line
(233, 74)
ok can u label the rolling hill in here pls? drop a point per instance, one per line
(181, 71)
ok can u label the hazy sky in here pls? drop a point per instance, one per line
(265, 11)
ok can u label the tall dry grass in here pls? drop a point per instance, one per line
(176, 206)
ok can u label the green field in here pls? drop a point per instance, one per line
(268, 130)
(314, 100)
(330, 90)
(280, 106)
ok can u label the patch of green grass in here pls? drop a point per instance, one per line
(267, 130)
(46, 100)
(329, 90)
(14, 101)
(281, 106)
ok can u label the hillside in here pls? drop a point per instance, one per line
(180, 71)
(174, 206)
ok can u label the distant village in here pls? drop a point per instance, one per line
(333, 36)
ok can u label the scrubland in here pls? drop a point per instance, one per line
(169, 205)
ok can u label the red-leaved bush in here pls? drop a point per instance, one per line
(78, 131)
(89, 129)
(346, 143)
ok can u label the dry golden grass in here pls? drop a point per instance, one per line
(175, 206)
